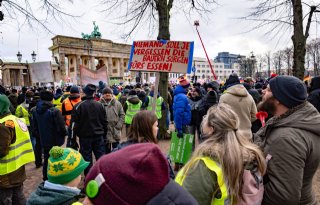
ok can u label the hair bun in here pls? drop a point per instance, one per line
(56, 152)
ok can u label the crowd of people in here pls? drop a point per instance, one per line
(239, 159)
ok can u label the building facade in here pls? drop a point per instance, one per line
(203, 70)
(71, 53)
(15, 74)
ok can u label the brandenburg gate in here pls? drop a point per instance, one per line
(75, 54)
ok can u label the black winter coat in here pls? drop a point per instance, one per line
(48, 122)
(89, 118)
(314, 98)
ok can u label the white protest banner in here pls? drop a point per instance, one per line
(41, 72)
(161, 56)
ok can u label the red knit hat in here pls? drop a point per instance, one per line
(130, 176)
(273, 75)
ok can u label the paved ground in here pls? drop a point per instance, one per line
(34, 176)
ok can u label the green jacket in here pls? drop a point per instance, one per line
(201, 183)
(291, 142)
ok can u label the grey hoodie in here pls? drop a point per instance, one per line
(291, 142)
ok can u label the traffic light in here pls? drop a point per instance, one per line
(192, 78)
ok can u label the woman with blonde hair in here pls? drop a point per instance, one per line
(214, 174)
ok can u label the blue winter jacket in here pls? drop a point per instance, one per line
(181, 108)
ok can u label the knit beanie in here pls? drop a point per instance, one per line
(289, 90)
(4, 104)
(132, 92)
(132, 175)
(64, 165)
(89, 89)
(46, 95)
(115, 91)
(74, 89)
(107, 91)
(184, 83)
(232, 80)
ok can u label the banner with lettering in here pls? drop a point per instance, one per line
(93, 77)
(161, 56)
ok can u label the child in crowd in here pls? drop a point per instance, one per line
(65, 166)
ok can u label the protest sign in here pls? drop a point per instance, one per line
(90, 76)
(180, 148)
(41, 72)
(161, 56)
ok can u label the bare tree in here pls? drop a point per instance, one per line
(268, 61)
(284, 15)
(287, 54)
(33, 13)
(313, 48)
(146, 13)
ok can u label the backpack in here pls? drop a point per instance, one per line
(252, 188)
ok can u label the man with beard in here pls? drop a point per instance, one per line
(290, 141)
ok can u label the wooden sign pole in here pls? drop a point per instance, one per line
(155, 92)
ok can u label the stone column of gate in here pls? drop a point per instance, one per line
(21, 77)
(92, 64)
(109, 66)
(77, 69)
(121, 67)
(62, 65)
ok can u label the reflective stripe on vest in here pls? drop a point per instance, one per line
(68, 106)
(213, 166)
(158, 105)
(20, 152)
(57, 103)
(132, 110)
(22, 112)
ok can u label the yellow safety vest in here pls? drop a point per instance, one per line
(20, 152)
(158, 105)
(132, 110)
(57, 103)
(118, 96)
(213, 166)
(22, 112)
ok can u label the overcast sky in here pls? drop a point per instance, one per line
(223, 32)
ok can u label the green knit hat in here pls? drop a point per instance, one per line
(64, 165)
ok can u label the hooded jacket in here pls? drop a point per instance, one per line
(181, 108)
(238, 98)
(52, 196)
(49, 123)
(291, 142)
(134, 99)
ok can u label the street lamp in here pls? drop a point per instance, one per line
(33, 56)
(253, 59)
(19, 56)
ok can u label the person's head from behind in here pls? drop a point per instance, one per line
(228, 145)
(132, 175)
(144, 127)
(65, 166)
(135, 175)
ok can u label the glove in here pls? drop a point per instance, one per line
(180, 135)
